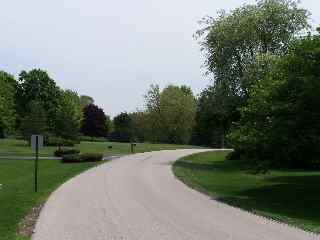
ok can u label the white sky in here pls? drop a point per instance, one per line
(111, 50)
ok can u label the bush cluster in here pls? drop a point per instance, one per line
(87, 157)
(65, 151)
(56, 141)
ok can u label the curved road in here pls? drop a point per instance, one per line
(138, 198)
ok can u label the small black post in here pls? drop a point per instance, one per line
(36, 166)
(132, 151)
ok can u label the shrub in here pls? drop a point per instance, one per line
(72, 158)
(66, 151)
(93, 139)
(56, 141)
(91, 157)
(87, 157)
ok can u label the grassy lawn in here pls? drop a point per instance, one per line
(13, 147)
(17, 196)
(285, 195)
(16, 176)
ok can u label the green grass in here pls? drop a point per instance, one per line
(13, 147)
(17, 195)
(290, 196)
(16, 176)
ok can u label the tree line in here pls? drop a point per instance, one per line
(34, 104)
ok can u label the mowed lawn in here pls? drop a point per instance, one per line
(17, 195)
(290, 196)
(13, 147)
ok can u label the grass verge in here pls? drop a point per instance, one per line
(290, 196)
(17, 195)
(13, 147)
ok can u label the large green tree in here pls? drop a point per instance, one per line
(232, 41)
(170, 114)
(7, 103)
(215, 114)
(123, 128)
(34, 121)
(281, 121)
(68, 115)
(36, 85)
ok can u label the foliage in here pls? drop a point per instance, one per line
(153, 127)
(92, 139)
(178, 108)
(8, 87)
(239, 47)
(68, 115)
(36, 85)
(65, 151)
(232, 41)
(34, 121)
(170, 114)
(139, 126)
(76, 158)
(216, 111)
(85, 101)
(58, 142)
(94, 121)
(122, 128)
(281, 121)
(91, 157)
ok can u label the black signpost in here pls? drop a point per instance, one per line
(36, 166)
(36, 143)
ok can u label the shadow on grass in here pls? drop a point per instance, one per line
(226, 166)
(290, 196)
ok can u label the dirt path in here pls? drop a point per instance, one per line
(138, 198)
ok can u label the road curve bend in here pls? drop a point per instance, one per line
(137, 197)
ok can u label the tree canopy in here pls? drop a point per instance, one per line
(8, 87)
(232, 41)
(281, 120)
(94, 121)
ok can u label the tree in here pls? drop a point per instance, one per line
(139, 126)
(34, 121)
(94, 121)
(85, 101)
(123, 128)
(36, 85)
(7, 103)
(281, 121)
(178, 108)
(170, 114)
(153, 127)
(233, 41)
(216, 111)
(68, 115)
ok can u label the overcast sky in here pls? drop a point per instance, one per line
(111, 50)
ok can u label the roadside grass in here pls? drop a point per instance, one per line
(290, 196)
(13, 147)
(17, 195)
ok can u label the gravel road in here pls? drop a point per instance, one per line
(137, 197)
